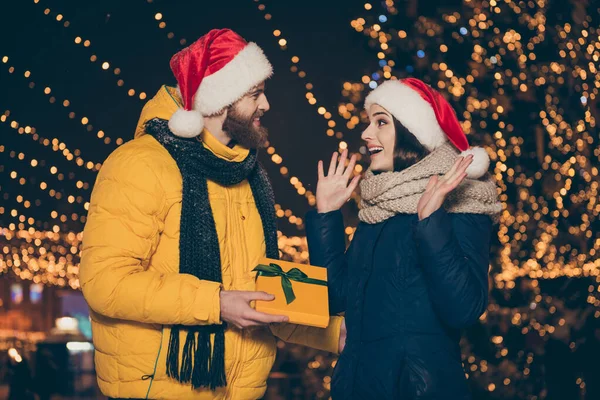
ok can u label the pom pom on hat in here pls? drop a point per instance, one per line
(481, 162)
(186, 124)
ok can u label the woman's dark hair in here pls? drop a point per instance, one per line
(407, 150)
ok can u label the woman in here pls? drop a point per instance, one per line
(416, 271)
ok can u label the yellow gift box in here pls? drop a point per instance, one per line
(300, 291)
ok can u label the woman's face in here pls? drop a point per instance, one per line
(380, 138)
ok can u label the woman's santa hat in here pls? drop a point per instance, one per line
(428, 116)
(213, 73)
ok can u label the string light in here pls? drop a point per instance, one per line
(57, 146)
(162, 24)
(66, 103)
(295, 68)
(33, 163)
(105, 65)
(42, 256)
(26, 205)
(56, 194)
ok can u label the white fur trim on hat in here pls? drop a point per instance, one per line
(186, 124)
(408, 107)
(481, 162)
(229, 84)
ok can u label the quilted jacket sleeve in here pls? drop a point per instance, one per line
(455, 255)
(125, 221)
(326, 339)
(327, 247)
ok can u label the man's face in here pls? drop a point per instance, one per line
(243, 119)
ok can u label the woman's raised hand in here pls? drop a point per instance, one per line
(438, 188)
(334, 189)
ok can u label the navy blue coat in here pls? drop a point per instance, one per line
(407, 288)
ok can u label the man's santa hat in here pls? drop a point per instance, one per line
(213, 73)
(428, 116)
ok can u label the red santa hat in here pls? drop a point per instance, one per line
(428, 116)
(213, 73)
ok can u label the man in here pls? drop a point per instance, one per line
(179, 217)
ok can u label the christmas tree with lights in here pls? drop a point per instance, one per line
(522, 76)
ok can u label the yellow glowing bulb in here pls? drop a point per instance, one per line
(105, 65)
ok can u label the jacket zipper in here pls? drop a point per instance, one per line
(239, 350)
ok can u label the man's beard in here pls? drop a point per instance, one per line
(241, 129)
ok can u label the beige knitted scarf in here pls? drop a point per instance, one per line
(390, 193)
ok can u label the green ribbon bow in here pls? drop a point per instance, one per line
(294, 274)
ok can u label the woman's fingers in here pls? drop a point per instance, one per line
(350, 167)
(333, 165)
(431, 184)
(342, 163)
(465, 164)
(353, 185)
(457, 181)
(460, 166)
(321, 172)
(453, 184)
(450, 174)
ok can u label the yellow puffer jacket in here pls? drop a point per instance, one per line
(129, 272)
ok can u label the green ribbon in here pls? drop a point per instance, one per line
(294, 274)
